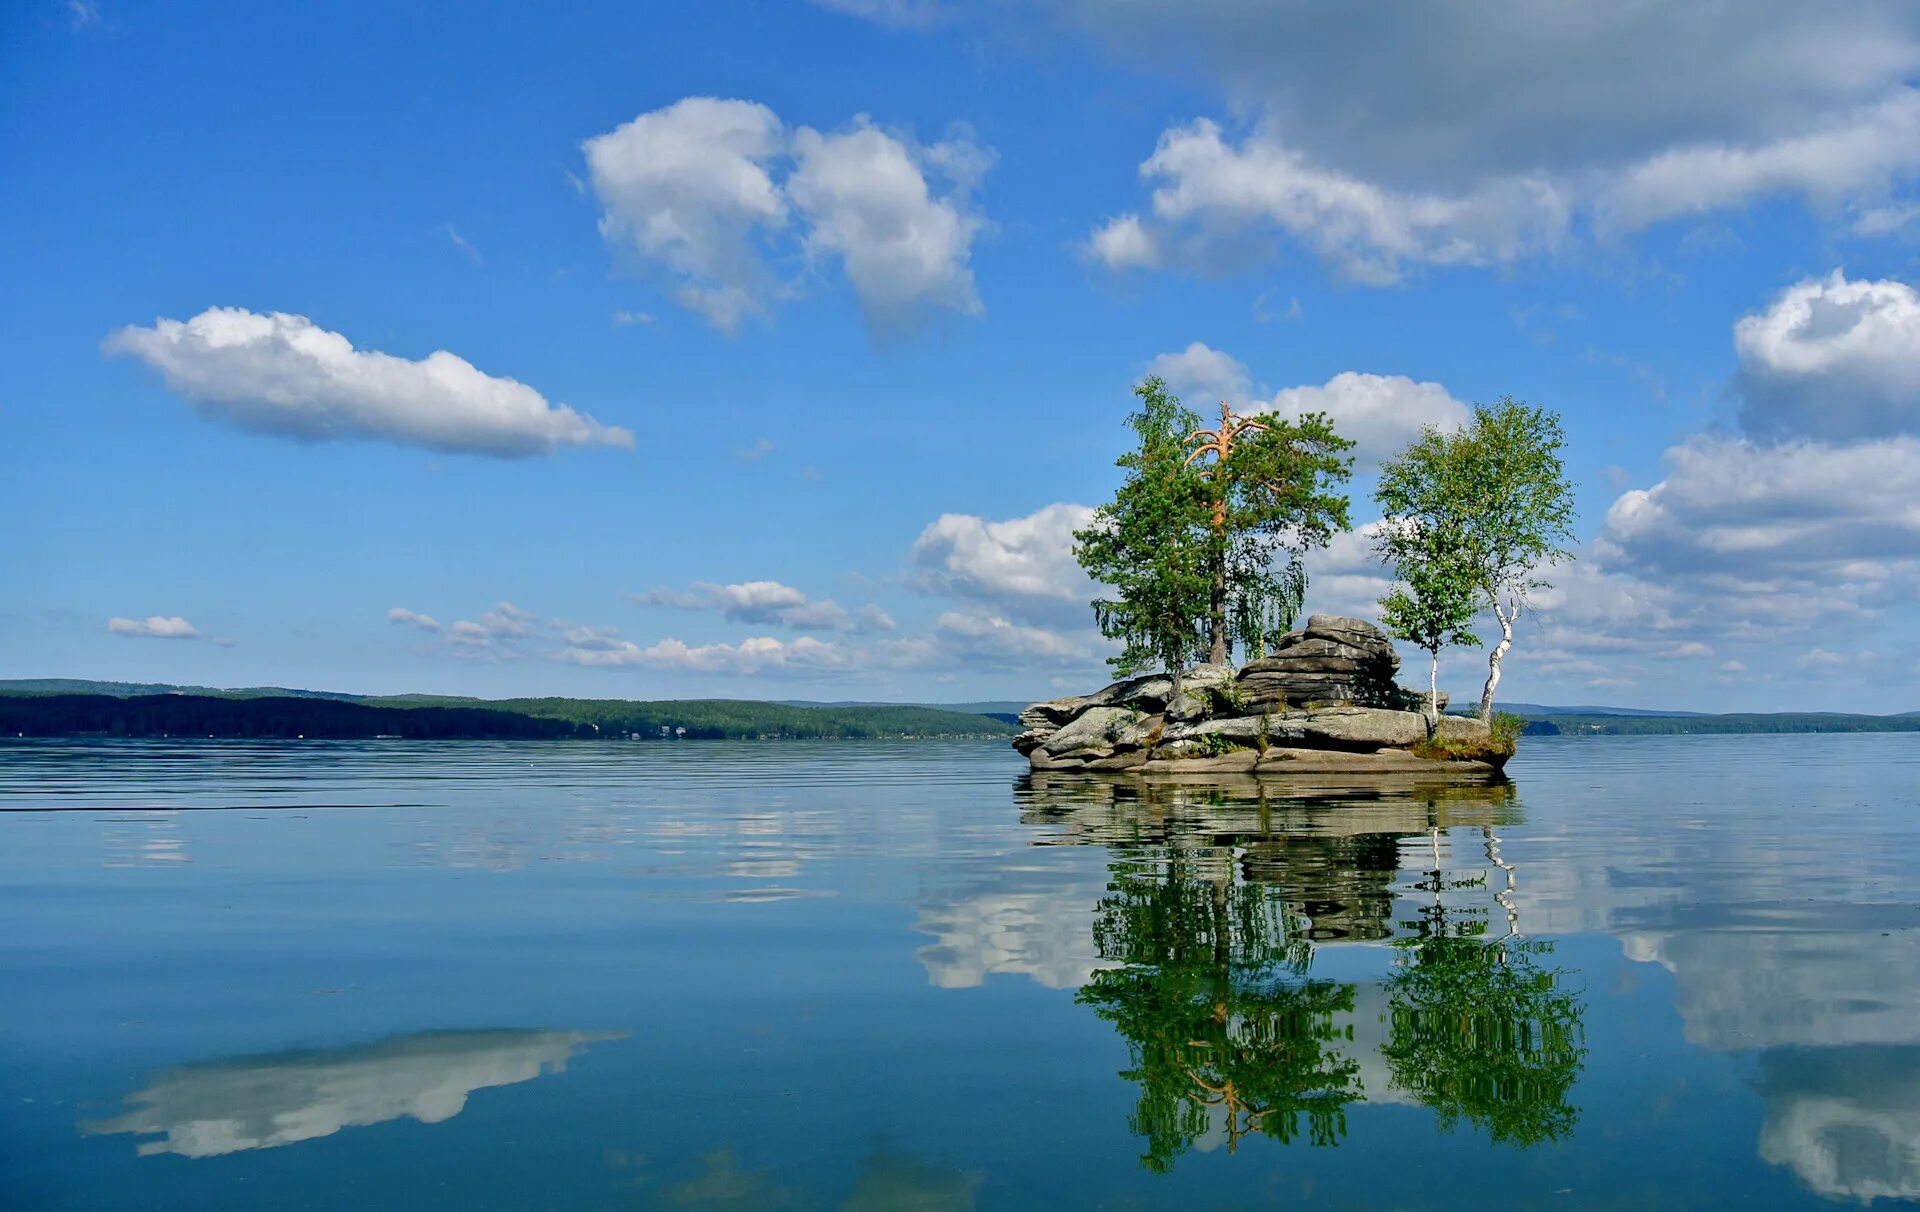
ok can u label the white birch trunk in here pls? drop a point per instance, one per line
(1433, 695)
(1506, 617)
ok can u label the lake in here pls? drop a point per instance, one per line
(1655, 972)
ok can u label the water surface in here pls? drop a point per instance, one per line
(1656, 972)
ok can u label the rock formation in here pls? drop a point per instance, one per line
(1322, 703)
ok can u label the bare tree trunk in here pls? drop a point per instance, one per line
(1217, 614)
(1433, 695)
(1506, 618)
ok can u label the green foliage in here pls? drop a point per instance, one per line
(1278, 494)
(1498, 491)
(1214, 744)
(1146, 543)
(1498, 486)
(1218, 1023)
(1179, 581)
(1433, 605)
(1481, 1032)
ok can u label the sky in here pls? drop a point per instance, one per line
(775, 349)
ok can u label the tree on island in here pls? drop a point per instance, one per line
(1433, 605)
(1145, 545)
(1204, 544)
(1496, 494)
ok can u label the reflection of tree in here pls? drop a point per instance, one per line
(1480, 1031)
(1217, 900)
(1218, 1020)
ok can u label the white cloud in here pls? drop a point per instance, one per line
(764, 602)
(1832, 358)
(1124, 242)
(756, 655)
(688, 187)
(413, 618)
(460, 242)
(692, 189)
(1199, 369)
(759, 449)
(1022, 566)
(1380, 413)
(899, 14)
(1732, 505)
(995, 636)
(1215, 196)
(905, 250)
(1579, 84)
(1863, 156)
(1362, 147)
(282, 374)
(155, 627)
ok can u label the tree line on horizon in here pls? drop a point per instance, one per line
(425, 717)
(1204, 544)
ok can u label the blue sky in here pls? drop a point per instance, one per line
(775, 349)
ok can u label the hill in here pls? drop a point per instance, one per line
(132, 689)
(1737, 722)
(204, 715)
(706, 719)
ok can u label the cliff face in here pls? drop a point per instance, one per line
(1324, 702)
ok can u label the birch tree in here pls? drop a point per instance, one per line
(1499, 488)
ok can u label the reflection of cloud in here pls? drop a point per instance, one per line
(263, 1102)
(1766, 975)
(1847, 1120)
(1045, 935)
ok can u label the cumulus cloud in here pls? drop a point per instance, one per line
(769, 602)
(1023, 566)
(1363, 148)
(1832, 358)
(1381, 413)
(995, 636)
(1862, 156)
(755, 655)
(284, 375)
(688, 187)
(1214, 193)
(413, 618)
(1733, 505)
(155, 627)
(1201, 370)
(905, 250)
(1580, 84)
(695, 191)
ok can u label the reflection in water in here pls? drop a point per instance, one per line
(889, 1182)
(1847, 1120)
(1217, 903)
(263, 1102)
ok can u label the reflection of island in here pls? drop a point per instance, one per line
(263, 1102)
(1217, 902)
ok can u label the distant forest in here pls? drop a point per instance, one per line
(1743, 722)
(423, 717)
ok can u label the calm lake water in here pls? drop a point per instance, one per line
(1657, 972)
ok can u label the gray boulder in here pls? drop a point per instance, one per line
(1096, 728)
(1052, 714)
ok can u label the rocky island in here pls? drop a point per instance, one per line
(1322, 703)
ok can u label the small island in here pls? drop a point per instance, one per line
(1323, 702)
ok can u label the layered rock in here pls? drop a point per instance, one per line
(1323, 702)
